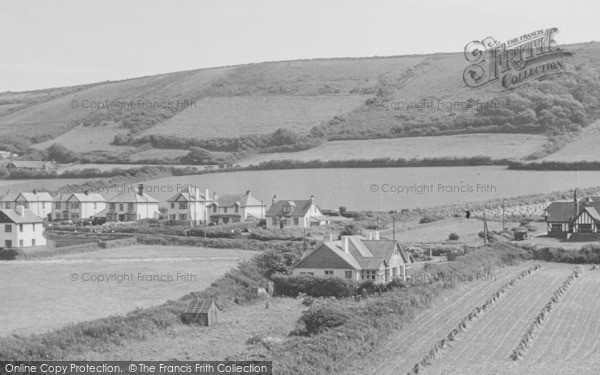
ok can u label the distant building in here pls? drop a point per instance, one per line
(21, 228)
(189, 206)
(40, 203)
(77, 206)
(131, 206)
(7, 155)
(295, 214)
(356, 258)
(581, 216)
(202, 311)
(233, 208)
(31, 165)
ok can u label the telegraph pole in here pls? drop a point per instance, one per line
(393, 227)
(503, 221)
(485, 229)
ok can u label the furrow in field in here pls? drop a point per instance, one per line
(416, 338)
(492, 337)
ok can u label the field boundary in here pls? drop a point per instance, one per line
(457, 332)
(538, 323)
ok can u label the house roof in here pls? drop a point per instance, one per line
(81, 197)
(563, 212)
(592, 212)
(37, 196)
(242, 200)
(199, 306)
(188, 197)
(362, 254)
(14, 217)
(9, 197)
(299, 208)
(132, 197)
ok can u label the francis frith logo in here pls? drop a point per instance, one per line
(516, 62)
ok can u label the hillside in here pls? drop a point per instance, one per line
(332, 99)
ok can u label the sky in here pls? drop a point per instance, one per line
(46, 44)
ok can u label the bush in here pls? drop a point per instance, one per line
(430, 218)
(313, 286)
(321, 318)
(453, 237)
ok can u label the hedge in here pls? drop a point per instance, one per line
(313, 286)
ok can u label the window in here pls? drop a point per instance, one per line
(8, 243)
(556, 227)
(585, 228)
(274, 221)
(183, 205)
(74, 206)
(348, 274)
(43, 205)
(20, 243)
(57, 205)
(172, 204)
(121, 206)
(225, 220)
(214, 208)
(173, 217)
(7, 204)
(95, 205)
(74, 215)
(33, 242)
(328, 272)
(130, 206)
(113, 206)
(236, 209)
(8, 228)
(296, 222)
(34, 227)
(182, 217)
(57, 215)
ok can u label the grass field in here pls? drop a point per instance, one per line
(567, 342)
(581, 147)
(495, 146)
(59, 298)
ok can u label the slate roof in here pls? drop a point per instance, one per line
(40, 196)
(242, 200)
(562, 212)
(132, 197)
(299, 208)
(14, 217)
(31, 164)
(188, 197)
(81, 197)
(199, 306)
(9, 197)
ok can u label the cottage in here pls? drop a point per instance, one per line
(189, 205)
(31, 165)
(577, 217)
(356, 258)
(40, 203)
(7, 155)
(233, 208)
(295, 214)
(131, 206)
(77, 206)
(21, 228)
(202, 311)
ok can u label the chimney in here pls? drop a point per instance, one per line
(346, 243)
(575, 205)
(312, 200)
(34, 192)
(206, 194)
(141, 190)
(21, 210)
(86, 192)
(247, 192)
(376, 235)
(274, 199)
(215, 196)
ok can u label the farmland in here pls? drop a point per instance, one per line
(567, 342)
(75, 299)
(495, 146)
(583, 146)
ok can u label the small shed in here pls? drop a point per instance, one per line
(201, 311)
(521, 234)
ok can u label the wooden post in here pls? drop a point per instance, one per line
(503, 223)
(485, 229)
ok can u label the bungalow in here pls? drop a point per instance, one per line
(189, 205)
(356, 258)
(31, 165)
(295, 214)
(40, 203)
(21, 228)
(579, 216)
(77, 206)
(235, 208)
(131, 206)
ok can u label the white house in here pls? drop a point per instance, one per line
(131, 206)
(233, 208)
(76, 206)
(40, 203)
(21, 228)
(295, 213)
(356, 258)
(189, 205)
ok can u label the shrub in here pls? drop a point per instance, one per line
(313, 286)
(318, 319)
(430, 218)
(453, 237)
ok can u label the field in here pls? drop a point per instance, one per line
(58, 293)
(89, 138)
(233, 117)
(582, 147)
(495, 146)
(567, 342)
(51, 184)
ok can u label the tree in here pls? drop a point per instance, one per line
(60, 153)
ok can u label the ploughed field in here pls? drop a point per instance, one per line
(565, 342)
(39, 295)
